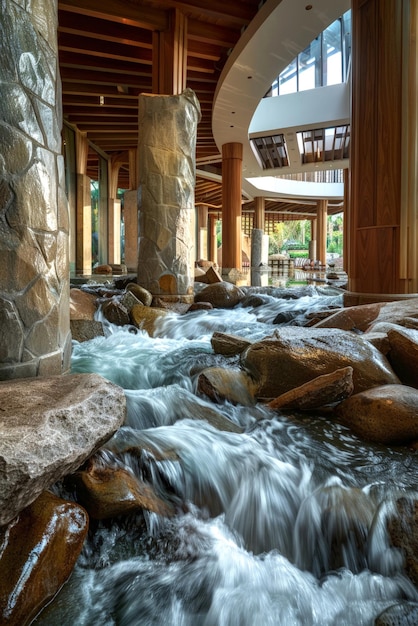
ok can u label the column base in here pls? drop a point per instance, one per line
(352, 298)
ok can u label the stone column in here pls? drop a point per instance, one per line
(130, 213)
(231, 207)
(35, 335)
(322, 215)
(167, 141)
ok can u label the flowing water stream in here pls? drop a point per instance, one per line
(282, 524)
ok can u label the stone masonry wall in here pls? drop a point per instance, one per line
(35, 335)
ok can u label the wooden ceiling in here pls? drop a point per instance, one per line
(107, 56)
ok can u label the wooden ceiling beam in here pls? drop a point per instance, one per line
(100, 47)
(95, 28)
(118, 11)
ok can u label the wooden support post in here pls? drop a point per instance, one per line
(231, 206)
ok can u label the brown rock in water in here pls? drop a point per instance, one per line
(353, 317)
(227, 384)
(403, 532)
(228, 345)
(141, 293)
(222, 295)
(106, 492)
(84, 330)
(338, 529)
(213, 275)
(82, 305)
(364, 316)
(404, 354)
(116, 313)
(325, 389)
(146, 318)
(294, 356)
(386, 414)
(39, 549)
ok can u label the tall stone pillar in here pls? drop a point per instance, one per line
(382, 246)
(231, 207)
(167, 141)
(130, 213)
(35, 335)
(322, 215)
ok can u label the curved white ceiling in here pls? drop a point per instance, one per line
(280, 30)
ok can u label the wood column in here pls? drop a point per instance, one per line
(170, 56)
(213, 244)
(83, 207)
(322, 215)
(259, 212)
(202, 232)
(384, 147)
(231, 206)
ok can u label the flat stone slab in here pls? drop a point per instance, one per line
(48, 428)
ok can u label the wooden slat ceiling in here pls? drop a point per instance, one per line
(106, 55)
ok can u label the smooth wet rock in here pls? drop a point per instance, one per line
(400, 614)
(116, 313)
(107, 492)
(332, 529)
(323, 390)
(404, 354)
(228, 345)
(293, 356)
(222, 295)
(146, 318)
(227, 384)
(141, 293)
(82, 305)
(387, 414)
(48, 428)
(403, 532)
(39, 549)
(364, 316)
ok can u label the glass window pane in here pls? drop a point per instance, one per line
(309, 62)
(332, 61)
(288, 79)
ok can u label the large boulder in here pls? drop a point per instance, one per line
(364, 316)
(38, 552)
(404, 354)
(293, 356)
(48, 428)
(222, 295)
(387, 414)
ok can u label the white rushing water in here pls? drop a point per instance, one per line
(281, 524)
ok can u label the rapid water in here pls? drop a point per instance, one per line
(281, 524)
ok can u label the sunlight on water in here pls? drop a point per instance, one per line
(281, 523)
